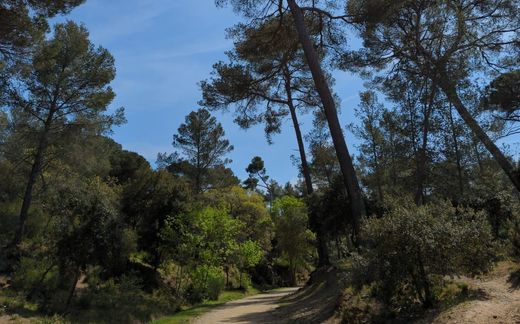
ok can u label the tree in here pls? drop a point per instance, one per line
(370, 112)
(148, 199)
(202, 242)
(503, 96)
(324, 163)
(345, 161)
(425, 39)
(88, 231)
(294, 239)
(249, 208)
(258, 177)
(261, 10)
(65, 89)
(24, 23)
(263, 82)
(248, 254)
(412, 244)
(203, 146)
(254, 238)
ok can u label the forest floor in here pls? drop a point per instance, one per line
(497, 299)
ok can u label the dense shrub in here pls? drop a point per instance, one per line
(294, 240)
(122, 300)
(206, 283)
(411, 246)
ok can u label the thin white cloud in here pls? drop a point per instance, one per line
(117, 21)
(190, 50)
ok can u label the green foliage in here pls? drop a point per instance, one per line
(31, 274)
(206, 283)
(122, 300)
(203, 148)
(25, 23)
(203, 236)
(411, 245)
(70, 58)
(249, 253)
(86, 227)
(504, 93)
(109, 239)
(248, 208)
(294, 240)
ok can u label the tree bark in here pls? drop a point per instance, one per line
(345, 161)
(299, 138)
(323, 256)
(457, 152)
(72, 289)
(375, 157)
(451, 93)
(423, 151)
(33, 175)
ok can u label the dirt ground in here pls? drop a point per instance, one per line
(498, 301)
(314, 303)
(254, 309)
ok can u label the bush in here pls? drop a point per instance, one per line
(35, 278)
(122, 300)
(206, 283)
(412, 245)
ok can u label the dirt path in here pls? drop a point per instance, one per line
(499, 301)
(254, 309)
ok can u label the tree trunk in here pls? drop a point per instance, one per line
(338, 249)
(474, 144)
(378, 179)
(72, 289)
(345, 161)
(33, 175)
(39, 283)
(323, 256)
(299, 138)
(451, 93)
(226, 269)
(423, 151)
(457, 152)
(428, 295)
(377, 168)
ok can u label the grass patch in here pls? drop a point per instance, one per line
(188, 314)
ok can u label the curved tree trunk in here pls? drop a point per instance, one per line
(323, 255)
(451, 93)
(345, 161)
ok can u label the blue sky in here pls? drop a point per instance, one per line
(163, 48)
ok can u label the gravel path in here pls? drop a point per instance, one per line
(254, 309)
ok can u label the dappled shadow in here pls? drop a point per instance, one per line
(475, 294)
(272, 316)
(314, 303)
(258, 317)
(514, 280)
(423, 316)
(18, 311)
